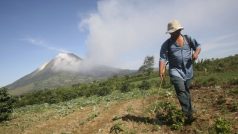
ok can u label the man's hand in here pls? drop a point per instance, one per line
(196, 53)
(195, 56)
(161, 76)
(161, 70)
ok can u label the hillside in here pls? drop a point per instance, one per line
(64, 70)
(134, 104)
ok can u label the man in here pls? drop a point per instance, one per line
(179, 51)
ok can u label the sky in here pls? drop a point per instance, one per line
(117, 33)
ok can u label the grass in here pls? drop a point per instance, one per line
(221, 126)
(219, 78)
(167, 113)
(234, 91)
(155, 110)
(116, 128)
(162, 103)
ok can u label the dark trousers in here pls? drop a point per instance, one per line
(183, 94)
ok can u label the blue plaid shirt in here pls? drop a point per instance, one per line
(179, 58)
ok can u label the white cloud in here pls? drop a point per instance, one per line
(220, 46)
(125, 31)
(43, 44)
(227, 40)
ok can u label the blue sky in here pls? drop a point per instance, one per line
(52, 24)
(118, 33)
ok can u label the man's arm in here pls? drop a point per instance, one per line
(161, 69)
(163, 58)
(196, 53)
(196, 48)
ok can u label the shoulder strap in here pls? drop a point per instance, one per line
(188, 39)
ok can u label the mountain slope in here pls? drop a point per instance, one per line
(64, 70)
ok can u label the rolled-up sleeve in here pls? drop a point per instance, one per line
(164, 52)
(195, 44)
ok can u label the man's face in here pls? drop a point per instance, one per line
(175, 34)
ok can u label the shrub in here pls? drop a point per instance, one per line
(6, 104)
(104, 88)
(169, 114)
(222, 126)
(125, 87)
(103, 91)
(116, 128)
(52, 97)
(219, 67)
(145, 85)
(91, 90)
(212, 81)
(81, 91)
(233, 81)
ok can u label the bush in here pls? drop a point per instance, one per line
(91, 90)
(145, 85)
(103, 91)
(233, 81)
(6, 104)
(104, 88)
(222, 126)
(125, 87)
(212, 81)
(116, 128)
(169, 114)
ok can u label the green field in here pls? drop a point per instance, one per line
(136, 103)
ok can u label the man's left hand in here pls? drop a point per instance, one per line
(195, 56)
(196, 53)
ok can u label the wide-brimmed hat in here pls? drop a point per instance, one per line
(174, 26)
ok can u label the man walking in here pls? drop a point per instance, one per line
(179, 51)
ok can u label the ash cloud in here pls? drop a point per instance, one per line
(122, 32)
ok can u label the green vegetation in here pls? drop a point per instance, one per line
(98, 88)
(145, 85)
(211, 72)
(125, 87)
(116, 128)
(205, 75)
(221, 126)
(6, 104)
(214, 91)
(167, 113)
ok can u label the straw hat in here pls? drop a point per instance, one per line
(174, 26)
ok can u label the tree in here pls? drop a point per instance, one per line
(6, 104)
(147, 67)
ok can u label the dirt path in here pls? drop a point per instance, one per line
(102, 123)
(210, 104)
(86, 121)
(59, 125)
